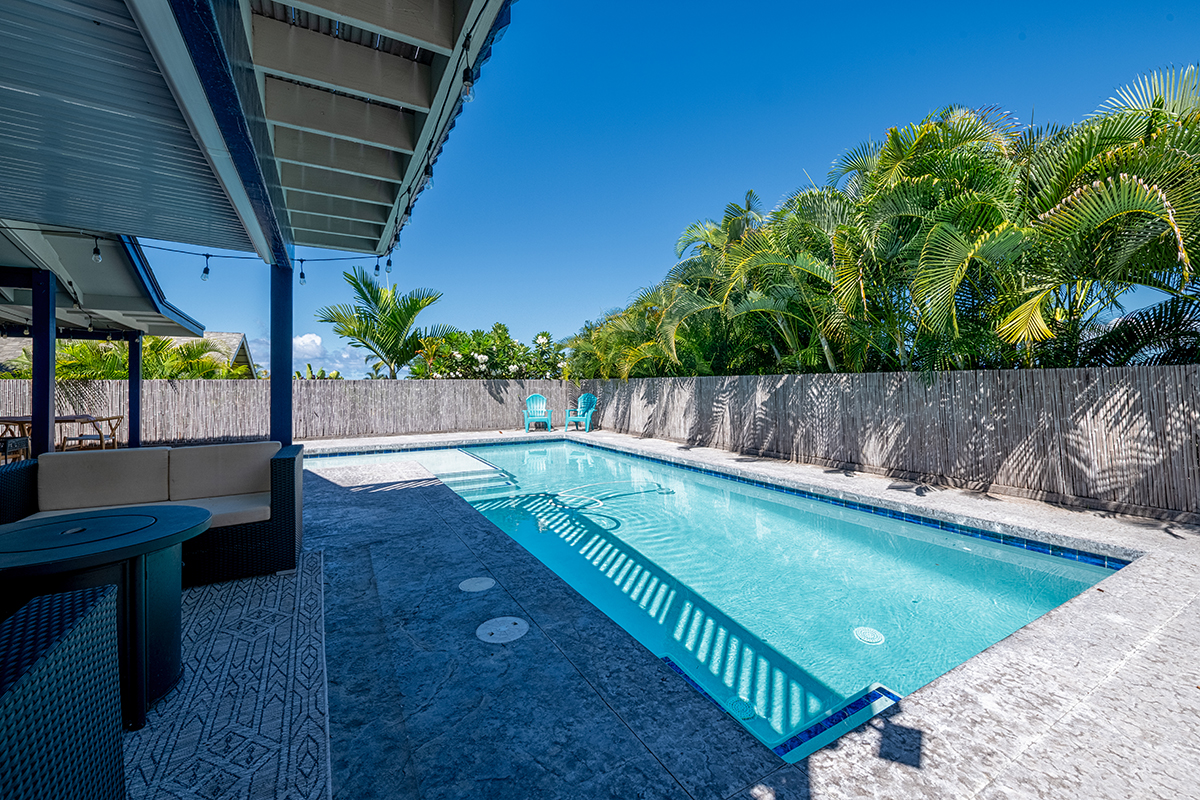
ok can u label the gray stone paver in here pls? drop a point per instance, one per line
(1100, 698)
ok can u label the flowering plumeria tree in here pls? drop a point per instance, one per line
(490, 354)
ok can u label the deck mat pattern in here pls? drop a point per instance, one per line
(249, 718)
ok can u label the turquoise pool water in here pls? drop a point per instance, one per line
(778, 607)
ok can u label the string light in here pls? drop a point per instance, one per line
(388, 267)
(468, 85)
(26, 331)
(96, 250)
(376, 266)
(90, 327)
(303, 280)
(428, 177)
(204, 275)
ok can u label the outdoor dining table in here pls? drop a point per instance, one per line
(21, 425)
(137, 548)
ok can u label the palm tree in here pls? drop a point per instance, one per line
(382, 322)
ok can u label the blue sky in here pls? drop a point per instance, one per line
(601, 130)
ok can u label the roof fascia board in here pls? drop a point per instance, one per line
(162, 34)
(210, 34)
(142, 271)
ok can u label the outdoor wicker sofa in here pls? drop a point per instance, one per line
(253, 490)
(60, 699)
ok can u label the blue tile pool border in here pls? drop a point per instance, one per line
(835, 719)
(1068, 553)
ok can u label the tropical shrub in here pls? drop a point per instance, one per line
(162, 359)
(490, 354)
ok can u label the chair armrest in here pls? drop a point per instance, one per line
(18, 490)
(287, 490)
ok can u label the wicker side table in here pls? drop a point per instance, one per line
(60, 699)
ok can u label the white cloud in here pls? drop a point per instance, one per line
(309, 348)
(307, 345)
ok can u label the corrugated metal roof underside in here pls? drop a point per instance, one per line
(90, 135)
(314, 22)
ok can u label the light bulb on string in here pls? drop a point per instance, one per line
(26, 331)
(468, 85)
(303, 280)
(90, 326)
(376, 266)
(204, 274)
(388, 266)
(96, 250)
(428, 176)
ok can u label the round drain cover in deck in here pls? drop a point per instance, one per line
(502, 629)
(477, 584)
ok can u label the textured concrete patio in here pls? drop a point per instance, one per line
(1098, 699)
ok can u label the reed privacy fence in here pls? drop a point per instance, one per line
(1124, 439)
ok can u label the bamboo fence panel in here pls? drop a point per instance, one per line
(1121, 439)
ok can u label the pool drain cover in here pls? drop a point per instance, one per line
(741, 709)
(868, 635)
(502, 629)
(476, 584)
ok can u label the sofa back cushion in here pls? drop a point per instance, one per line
(102, 478)
(213, 470)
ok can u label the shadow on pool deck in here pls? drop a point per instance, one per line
(421, 708)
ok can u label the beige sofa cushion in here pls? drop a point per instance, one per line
(102, 478)
(237, 509)
(213, 470)
(233, 509)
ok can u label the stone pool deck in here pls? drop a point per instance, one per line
(1100, 698)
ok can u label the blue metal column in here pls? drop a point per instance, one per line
(281, 355)
(45, 287)
(135, 392)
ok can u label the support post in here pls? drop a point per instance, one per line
(135, 392)
(45, 287)
(281, 354)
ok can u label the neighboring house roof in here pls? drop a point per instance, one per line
(233, 344)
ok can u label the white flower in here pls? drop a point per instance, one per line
(542, 340)
(562, 365)
(457, 355)
(482, 359)
(513, 368)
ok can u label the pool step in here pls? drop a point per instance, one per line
(476, 481)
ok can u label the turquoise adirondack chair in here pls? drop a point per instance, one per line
(535, 411)
(585, 406)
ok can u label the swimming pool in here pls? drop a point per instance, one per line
(799, 617)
